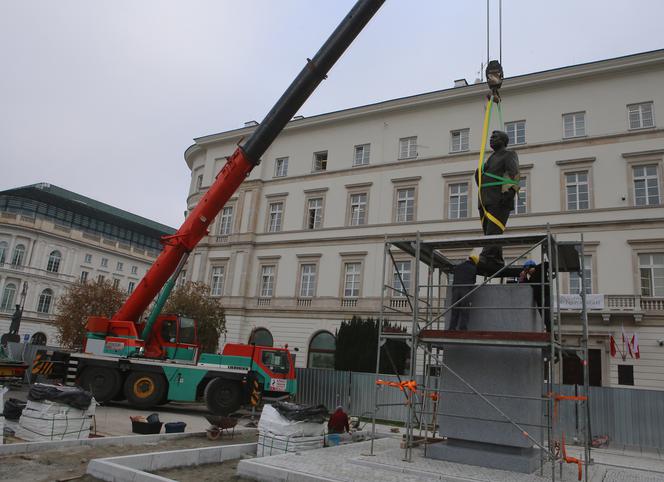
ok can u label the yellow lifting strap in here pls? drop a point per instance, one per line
(480, 166)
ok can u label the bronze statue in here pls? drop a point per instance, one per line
(499, 185)
(16, 321)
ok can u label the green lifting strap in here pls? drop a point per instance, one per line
(501, 181)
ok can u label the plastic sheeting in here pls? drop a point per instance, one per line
(275, 444)
(73, 396)
(273, 423)
(42, 421)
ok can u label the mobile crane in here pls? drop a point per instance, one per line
(152, 362)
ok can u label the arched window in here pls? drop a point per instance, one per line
(54, 261)
(19, 254)
(321, 350)
(3, 252)
(45, 299)
(261, 337)
(8, 296)
(38, 338)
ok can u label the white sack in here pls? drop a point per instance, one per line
(46, 420)
(3, 390)
(274, 444)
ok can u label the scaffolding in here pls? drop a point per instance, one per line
(420, 301)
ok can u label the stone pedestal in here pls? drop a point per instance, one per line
(477, 433)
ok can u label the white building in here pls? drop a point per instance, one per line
(51, 238)
(298, 248)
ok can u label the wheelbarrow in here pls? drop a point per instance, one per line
(218, 424)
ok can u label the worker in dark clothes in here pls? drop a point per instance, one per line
(464, 281)
(533, 276)
(338, 422)
(500, 183)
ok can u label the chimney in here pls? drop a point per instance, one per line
(250, 124)
(460, 83)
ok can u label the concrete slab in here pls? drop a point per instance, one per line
(503, 457)
(353, 463)
(134, 468)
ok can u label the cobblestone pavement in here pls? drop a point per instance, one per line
(354, 463)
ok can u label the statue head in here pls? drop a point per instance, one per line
(498, 140)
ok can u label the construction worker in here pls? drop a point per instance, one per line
(500, 183)
(464, 281)
(338, 422)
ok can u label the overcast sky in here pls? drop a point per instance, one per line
(103, 97)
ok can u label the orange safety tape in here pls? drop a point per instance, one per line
(571, 460)
(557, 398)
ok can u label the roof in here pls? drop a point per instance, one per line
(54, 195)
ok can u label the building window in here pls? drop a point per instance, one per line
(361, 157)
(199, 182)
(646, 185)
(45, 299)
(577, 189)
(640, 116)
(134, 269)
(54, 261)
(8, 296)
(100, 278)
(281, 167)
(651, 270)
(38, 338)
(575, 279)
(267, 281)
(119, 266)
(320, 161)
(130, 287)
(3, 252)
(275, 217)
(625, 374)
(358, 209)
(460, 140)
(321, 350)
(574, 125)
(88, 259)
(261, 337)
(458, 200)
(84, 276)
(226, 221)
(516, 131)
(352, 277)
(405, 205)
(217, 281)
(408, 147)
(314, 213)
(104, 262)
(307, 280)
(401, 286)
(182, 278)
(116, 283)
(18, 255)
(521, 198)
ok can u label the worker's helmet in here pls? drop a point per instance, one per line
(529, 264)
(474, 258)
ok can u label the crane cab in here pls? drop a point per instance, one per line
(173, 337)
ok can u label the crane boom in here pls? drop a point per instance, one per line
(244, 159)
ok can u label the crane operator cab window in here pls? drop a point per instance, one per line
(187, 331)
(169, 331)
(276, 361)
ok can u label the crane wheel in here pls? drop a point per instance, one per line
(145, 389)
(223, 397)
(105, 383)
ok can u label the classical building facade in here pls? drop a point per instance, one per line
(299, 247)
(51, 238)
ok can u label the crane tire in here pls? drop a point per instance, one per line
(105, 383)
(145, 389)
(223, 397)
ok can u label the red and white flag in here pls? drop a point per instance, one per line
(613, 345)
(634, 346)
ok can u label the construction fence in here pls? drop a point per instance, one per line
(629, 417)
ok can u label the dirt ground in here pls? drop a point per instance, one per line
(205, 473)
(71, 463)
